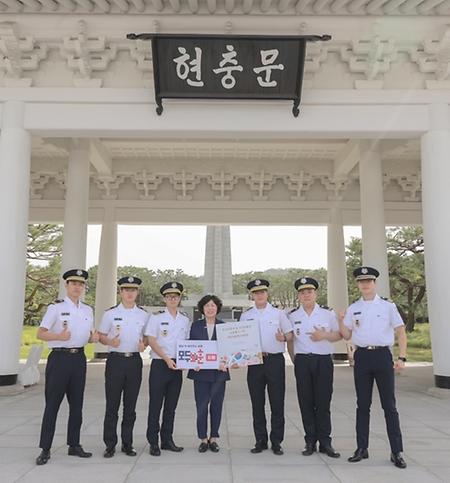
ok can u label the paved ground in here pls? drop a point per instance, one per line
(425, 419)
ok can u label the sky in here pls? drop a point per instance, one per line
(252, 247)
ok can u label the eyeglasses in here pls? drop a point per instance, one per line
(172, 297)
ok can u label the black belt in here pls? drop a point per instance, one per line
(70, 350)
(271, 354)
(372, 347)
(309, 354)
(124, 354)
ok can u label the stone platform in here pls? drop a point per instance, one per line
(425, 420)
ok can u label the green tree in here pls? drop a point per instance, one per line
(282, 290)
(43, 269)
(152, 280)
(406, 271)
(353, 254)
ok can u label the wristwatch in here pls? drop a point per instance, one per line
(401, 359)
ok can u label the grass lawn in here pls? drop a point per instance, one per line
(419, 345)
(29, 339)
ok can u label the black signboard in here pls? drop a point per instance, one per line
(228, 66)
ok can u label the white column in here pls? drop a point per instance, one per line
(374, 250)
(106, 287)
(76, 209)
(15, 157)
(436, 224)
(337, 293)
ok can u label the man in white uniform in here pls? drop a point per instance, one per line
(67, 326)
(315, 329)
(275, 330)
(163, 331)
(122, 329)
(371, 323)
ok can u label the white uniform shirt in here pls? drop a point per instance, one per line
(372, 322)
(79, 320)
(128, 324)
(167, 330)
(270, 319)
(303, 325)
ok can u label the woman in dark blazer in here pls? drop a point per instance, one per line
(209, 384)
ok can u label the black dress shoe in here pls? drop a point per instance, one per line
(277, 449)
(43, 457)
(329, 451)
(358, 455)
(213, 446)
(309, 449)
(78, 451)
(260, 446)
(398, 460)
(171, 446)
(154, 450)
(128, 450)
(109, 452)
(203, 447)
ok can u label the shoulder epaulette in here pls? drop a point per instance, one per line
(57, 301)
(88, 305)
(250, 308)
(158, 312)
(142, 308)
(293, 310)
(387, 300)
(325, 307)
(113, 307)
(184, 313)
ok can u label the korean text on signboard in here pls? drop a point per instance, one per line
(228, 67)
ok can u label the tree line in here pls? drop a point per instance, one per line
(406, 272)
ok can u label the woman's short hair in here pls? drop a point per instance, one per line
(208, 298)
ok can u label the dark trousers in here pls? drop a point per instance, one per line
(209, 394)
(164, 388)
(271, 374)
(65, 375)
(314, 376)
(123, 376)
(376, 365)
